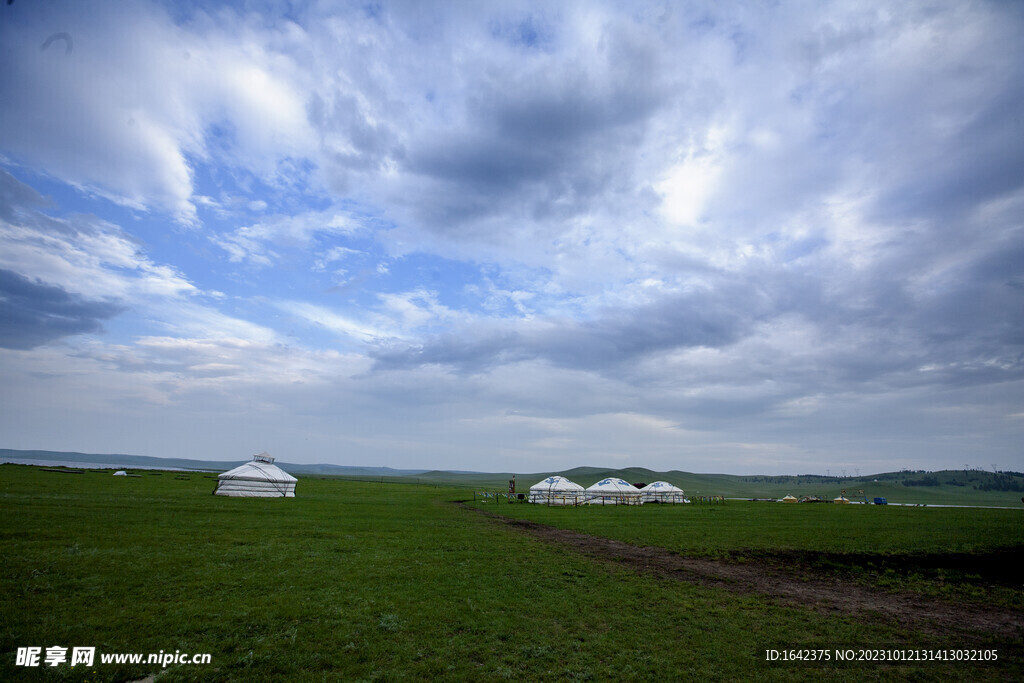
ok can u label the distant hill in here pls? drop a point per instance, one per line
(147, 461)
(949, 487)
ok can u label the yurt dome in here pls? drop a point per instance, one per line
(613, 491)
(556, 490)
(662, 492)
(259, 478)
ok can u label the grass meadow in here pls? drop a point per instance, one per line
(965, 554)
(380, 581)
(720, 528)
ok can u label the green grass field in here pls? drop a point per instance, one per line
(931, 550)
(364, 581)
(715, 529)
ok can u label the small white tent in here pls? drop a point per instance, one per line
(613, 491)
(662, 492)
(260, 478)
(120, 473)
(556, 490)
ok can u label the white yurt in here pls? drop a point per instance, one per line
(613, 491)
(789, 499)
(259, 478)
(662, 492)
(556, 490)
(120, 473)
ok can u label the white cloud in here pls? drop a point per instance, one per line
(95, 259)
(693, 179)
(99, 261)
(686, 188)
(335, 322)
(418, 309)
(333, 255)
(256, 243)
(127, 111)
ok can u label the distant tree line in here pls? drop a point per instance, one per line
(923, 481)
(789, 479)
(1002, 482)
(986, 481)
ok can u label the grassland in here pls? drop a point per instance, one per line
(963, 553)
(714, 529)
(371, 581)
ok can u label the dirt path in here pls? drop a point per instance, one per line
(800, 586)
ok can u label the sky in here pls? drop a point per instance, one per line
(750, 238)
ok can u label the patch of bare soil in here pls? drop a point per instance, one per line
(788, 585)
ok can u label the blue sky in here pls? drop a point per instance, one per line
(739, 237)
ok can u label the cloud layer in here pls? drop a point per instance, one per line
(521, 236)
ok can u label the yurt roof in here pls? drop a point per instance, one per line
(661, 487)
(614, 484)
(258, 471)
(556, 483)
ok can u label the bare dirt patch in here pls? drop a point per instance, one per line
(794, 585)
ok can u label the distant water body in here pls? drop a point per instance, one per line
(89, 465)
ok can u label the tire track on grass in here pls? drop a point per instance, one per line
(793, 586)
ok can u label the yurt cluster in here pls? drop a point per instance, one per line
(261, 478)
(556, 490)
